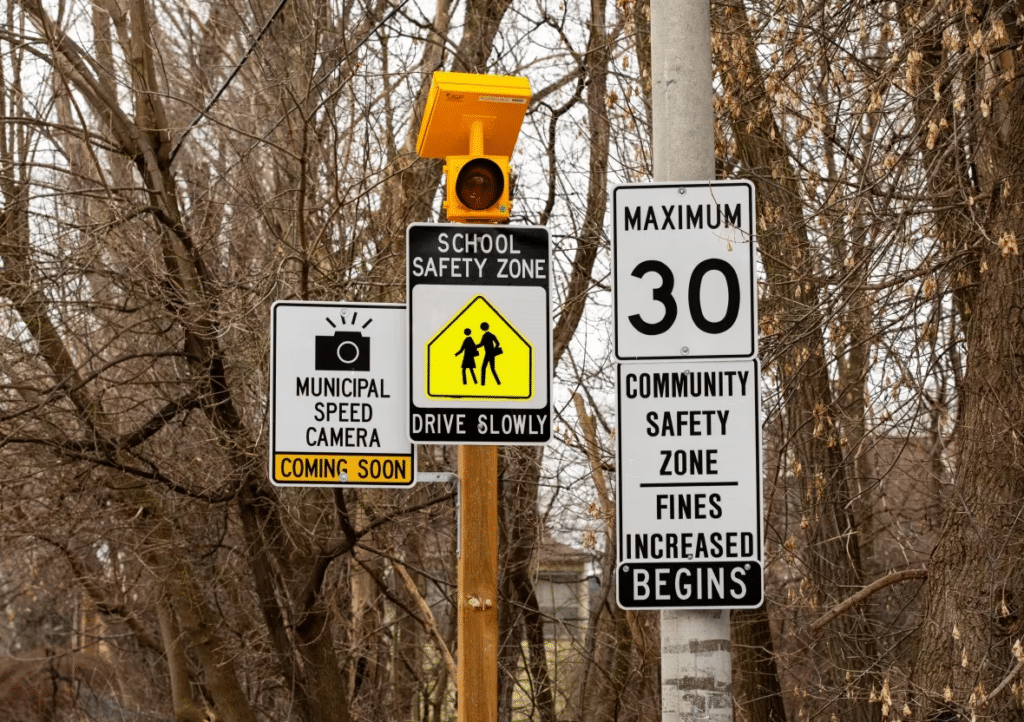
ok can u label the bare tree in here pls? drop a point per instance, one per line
(167, 172)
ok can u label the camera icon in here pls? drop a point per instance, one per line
(344, 351)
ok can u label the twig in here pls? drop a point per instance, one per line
(227, 81)
(866, 592)
(594, 456)
(429, 621)
(1006, 680)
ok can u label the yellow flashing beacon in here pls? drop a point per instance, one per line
(473, 121)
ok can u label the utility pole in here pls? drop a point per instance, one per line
(696, 659)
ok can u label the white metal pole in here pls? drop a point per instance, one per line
(696, 655)
(681, 92)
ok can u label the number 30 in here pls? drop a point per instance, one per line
(663, 295)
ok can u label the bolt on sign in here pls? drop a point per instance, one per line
(479, 334)
(689, 485)
(338, 396)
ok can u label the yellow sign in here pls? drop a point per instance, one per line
(310, 469)
(479, 355)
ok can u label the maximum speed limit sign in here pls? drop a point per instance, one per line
(683, 270)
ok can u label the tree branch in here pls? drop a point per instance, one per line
(1006, 680)
(429, 620)
(87, 579)
(866, 592)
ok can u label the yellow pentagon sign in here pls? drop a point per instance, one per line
(478, 354)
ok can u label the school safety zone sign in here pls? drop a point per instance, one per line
(338, 396)
(689, 486)
(479, 334)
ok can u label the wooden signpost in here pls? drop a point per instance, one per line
(479, 309)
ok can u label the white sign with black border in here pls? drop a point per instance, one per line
(479, 361)
(689, 485)
(338, 396)
(683, 265)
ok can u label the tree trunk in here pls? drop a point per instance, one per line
(756, 685)
(792, 316)
(520, 615)
(976, 574)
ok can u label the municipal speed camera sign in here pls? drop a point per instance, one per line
(684, 271)
(338, 395)
(479, 334)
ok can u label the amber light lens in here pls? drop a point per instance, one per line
(480, 184)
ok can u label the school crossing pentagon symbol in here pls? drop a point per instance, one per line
(478, 354)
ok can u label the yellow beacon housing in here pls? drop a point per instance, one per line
(473, 121)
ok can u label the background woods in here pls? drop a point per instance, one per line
(168, 170)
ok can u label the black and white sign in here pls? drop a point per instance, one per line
(689, 485)
(683, 270)
(479, 334)
(338, 396)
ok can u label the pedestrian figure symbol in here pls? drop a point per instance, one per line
(479, 334)
(469, 354)
(492, 349)
(468, 351)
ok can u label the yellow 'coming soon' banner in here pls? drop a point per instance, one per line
(362, 469)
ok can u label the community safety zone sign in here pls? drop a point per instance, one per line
(479, 334)
(338, 396)
(689, 485)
